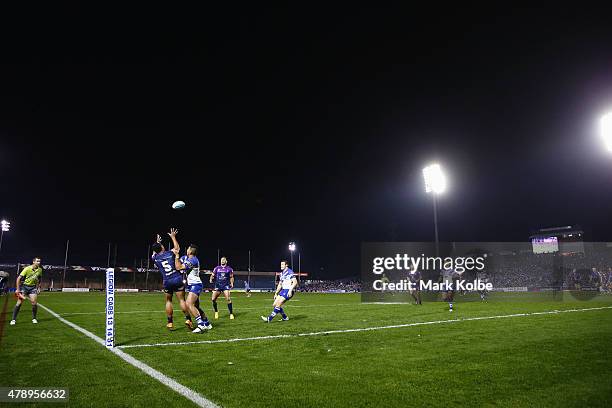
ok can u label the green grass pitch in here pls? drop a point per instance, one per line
(560, 359)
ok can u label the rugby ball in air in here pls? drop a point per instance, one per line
(177, 205)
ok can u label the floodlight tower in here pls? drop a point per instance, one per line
(292, 248)
(6, 226)
(435, 183)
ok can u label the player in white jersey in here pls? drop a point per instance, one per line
(482, 277)
(191, 265)
(284, 291)
(449, 277)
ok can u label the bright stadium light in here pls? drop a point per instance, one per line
(434, 179)
(292, 248)
(6, 226)
(605, 125)
(435, 183)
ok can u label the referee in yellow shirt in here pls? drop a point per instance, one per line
(31, 282)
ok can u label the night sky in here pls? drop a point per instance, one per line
(305, 125)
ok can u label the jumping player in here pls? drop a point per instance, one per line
(172, 278)
(191, 266)
(223, 275)
(284, 292)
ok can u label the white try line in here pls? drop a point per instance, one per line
(395, 326)
(266, 306)
(167, 381)
(96, 313)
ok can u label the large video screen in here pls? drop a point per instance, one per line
(545, 245)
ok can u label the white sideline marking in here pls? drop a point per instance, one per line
(395, 326)
(167, 381)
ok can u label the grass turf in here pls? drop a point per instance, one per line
(539, 360)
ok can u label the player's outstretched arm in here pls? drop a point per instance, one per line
(172, 233)
(177, 259)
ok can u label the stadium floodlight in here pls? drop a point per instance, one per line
(292, 249)
(605, 124)
(435, 183)
(6, 226)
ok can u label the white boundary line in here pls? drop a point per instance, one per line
(395, 326)
(167, 381)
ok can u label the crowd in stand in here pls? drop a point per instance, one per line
(521, 270)
(525, 269)
(570, 271)
(330, 286)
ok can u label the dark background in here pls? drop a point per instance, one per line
(296, 124)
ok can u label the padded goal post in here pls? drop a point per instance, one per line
(110, 308)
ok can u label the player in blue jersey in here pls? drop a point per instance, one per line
(284, 291)
(223, 276)
(190, 265)
(415, 278)
(171, 277)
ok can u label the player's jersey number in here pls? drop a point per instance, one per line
(167, 267)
